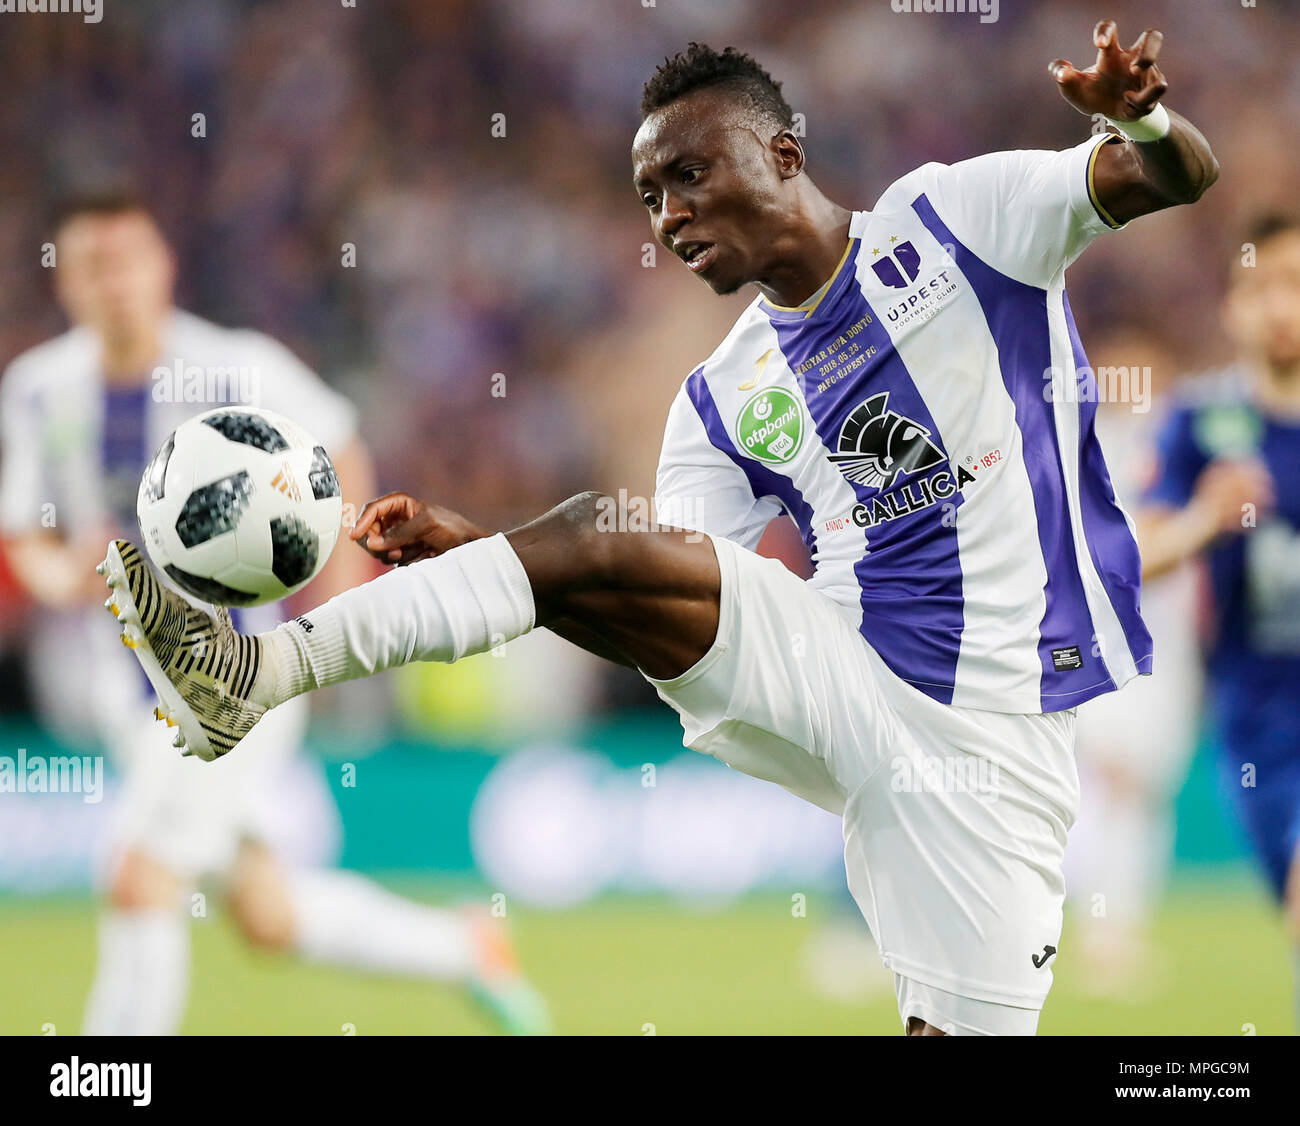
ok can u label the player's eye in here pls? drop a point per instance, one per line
(691, 175)
(649, 199)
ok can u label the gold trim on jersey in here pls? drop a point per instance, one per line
(809, 309)
(1109, 219)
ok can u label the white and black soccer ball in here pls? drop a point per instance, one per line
(240, 506)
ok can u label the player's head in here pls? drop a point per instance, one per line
(716, 163)
(1262, 306)
(114, 271)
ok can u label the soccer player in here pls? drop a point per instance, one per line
(82, 415)
(892, 387)
(1227, 492)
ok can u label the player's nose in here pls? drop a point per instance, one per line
(672, 214)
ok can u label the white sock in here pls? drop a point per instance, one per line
(345, 920)
(142, 974)
(473, 598)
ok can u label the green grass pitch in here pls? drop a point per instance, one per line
(620, 966)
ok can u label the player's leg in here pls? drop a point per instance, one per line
(143, 958)
(1264, 789)
(652, 596)
(282, 898)
(342, 919)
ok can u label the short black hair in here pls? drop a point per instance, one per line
(700, 66)
(1267, 225)
(1261, 227)
(114, 200)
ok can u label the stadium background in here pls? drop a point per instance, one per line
(673, 904)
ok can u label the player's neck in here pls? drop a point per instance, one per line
(1277, 389)
(807, 254)
(129, 359)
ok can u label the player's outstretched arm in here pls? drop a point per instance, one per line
(1224, 491)
(1140, 176)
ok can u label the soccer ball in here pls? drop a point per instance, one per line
(241, 506)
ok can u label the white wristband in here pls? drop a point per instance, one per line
(1154, 127)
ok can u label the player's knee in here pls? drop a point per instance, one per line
(566, 550)
(259, 901)
(264, 920)
(140, 884)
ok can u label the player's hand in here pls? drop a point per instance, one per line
(399, 529)
(1123, 84)
(1225, 488)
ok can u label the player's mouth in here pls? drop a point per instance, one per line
(698, 256)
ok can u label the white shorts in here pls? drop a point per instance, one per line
(954, 819)
(192, 816)
(189, 815)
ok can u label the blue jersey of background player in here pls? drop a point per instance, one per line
(1227, 488)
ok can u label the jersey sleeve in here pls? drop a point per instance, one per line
(1027, 213)
(698, 487)
(289, 387)
(23, 466)
(1179, 461)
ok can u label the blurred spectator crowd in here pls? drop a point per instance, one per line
(475, 154)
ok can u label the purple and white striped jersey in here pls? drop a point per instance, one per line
(927, 422)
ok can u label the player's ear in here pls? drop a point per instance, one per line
(789, 154)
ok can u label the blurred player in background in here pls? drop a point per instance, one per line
(82, 414)
(1227, 491)
(1133, 746)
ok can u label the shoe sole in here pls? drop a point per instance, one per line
(175, 712)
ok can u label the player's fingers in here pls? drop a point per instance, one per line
(399, 535)
(385, 510)
(1143, 100)
(414, 554)
(374, 512)
(365, 518)
(1067, 77)
(1146, 48)
(417, 529)
(1110, 55)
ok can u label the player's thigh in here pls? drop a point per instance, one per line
(652, 595)
(788, 691)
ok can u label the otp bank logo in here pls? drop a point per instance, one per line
(903, 259)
